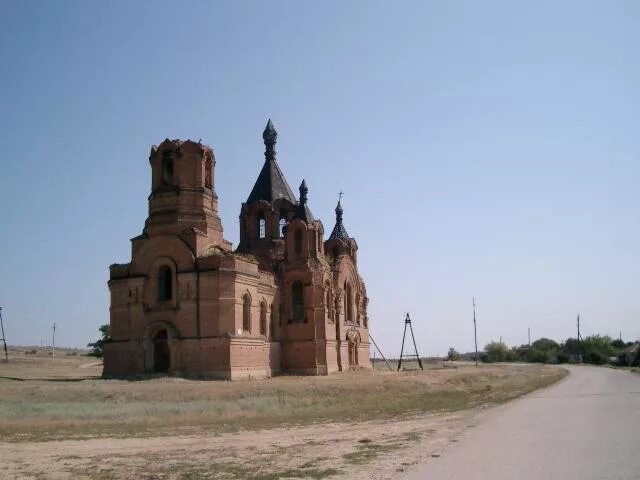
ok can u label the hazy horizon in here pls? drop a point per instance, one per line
(484, 149)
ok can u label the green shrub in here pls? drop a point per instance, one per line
(535, 355)
(545, 345)
(496, 352)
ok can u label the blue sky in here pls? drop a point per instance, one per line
(487, 149)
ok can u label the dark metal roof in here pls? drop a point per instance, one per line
(271, 184)
(339, 232)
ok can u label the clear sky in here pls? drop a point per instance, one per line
(487, 149)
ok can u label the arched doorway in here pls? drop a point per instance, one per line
(161, 352)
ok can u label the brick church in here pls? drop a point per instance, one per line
(285, 301)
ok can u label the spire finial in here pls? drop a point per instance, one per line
(303, 192)
(339, 210)
(270, 137)
(339, 232)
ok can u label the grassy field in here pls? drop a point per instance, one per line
(62, 398)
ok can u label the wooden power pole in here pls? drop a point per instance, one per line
(579, 337)
(53, 342)
(475, 333)
(4, 339)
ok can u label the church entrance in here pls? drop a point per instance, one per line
(161, 353)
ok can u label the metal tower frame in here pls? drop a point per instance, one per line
(407, 321)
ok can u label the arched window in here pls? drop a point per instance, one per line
(297, 300)
(262, 226)
(167, 170)
(298, 242)
(165, 283)
(263, 318)
(348, 303)
(281, 224)
(246, 312)
(328, 306)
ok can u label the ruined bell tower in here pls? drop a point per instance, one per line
(183, 200)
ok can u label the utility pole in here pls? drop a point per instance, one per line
(53, 343)
(529, 335)
(475, 333)
(4, 340)
(579, 338)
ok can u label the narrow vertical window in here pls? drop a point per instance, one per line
(348, 303)
(165, 284)
(246, 312)
(208, 172)
(262, 226)
(167, 168)
(281, 224)
(297, 300)
(298, 242)
(263, 318)
(272, 323)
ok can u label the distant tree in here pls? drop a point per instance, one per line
(619, 344)
(594, 349)
(453, 354)
(597, 349)
(535, 355)
(573, 346)
(495, 352)
(545, 345)
(543, 350)
(98, 346)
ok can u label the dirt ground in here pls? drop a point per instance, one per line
(54, 423)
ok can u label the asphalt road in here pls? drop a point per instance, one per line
(585, 427)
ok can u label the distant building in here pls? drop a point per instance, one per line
(187, 304)
(630, 356)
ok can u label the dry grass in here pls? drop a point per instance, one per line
(61, 398)
(287, 427)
